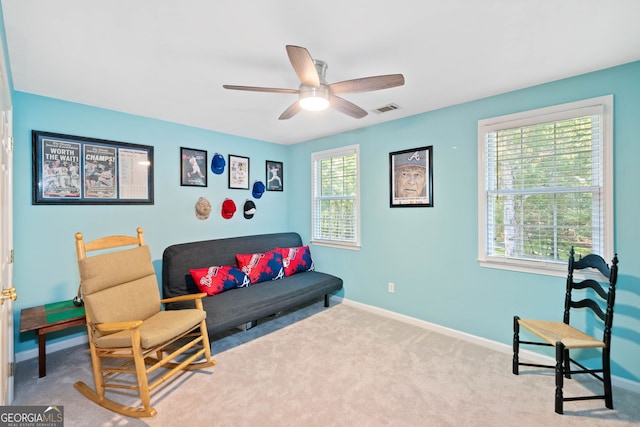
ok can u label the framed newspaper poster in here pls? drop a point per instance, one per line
(88, 171)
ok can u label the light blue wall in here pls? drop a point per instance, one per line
(430, 253)
(45, 268)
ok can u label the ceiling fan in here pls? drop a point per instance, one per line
(314, 93)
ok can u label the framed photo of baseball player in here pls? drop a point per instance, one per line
(78, 170)
(411, 178)
(275, 176)
(193, 167)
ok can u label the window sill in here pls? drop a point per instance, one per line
(338, 245)
(559, 269)
(522, 266)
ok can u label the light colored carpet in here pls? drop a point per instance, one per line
(340, 366)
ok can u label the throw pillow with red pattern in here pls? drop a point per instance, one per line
(261, 267)
(296, 259)
(216, 279)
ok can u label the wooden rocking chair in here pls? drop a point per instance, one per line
(127, 325)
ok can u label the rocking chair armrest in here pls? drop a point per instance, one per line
(196, 298)
(118, 326)
(187, 297)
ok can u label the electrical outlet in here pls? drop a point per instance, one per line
(391, 287)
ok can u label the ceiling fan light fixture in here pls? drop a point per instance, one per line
(315, 94)
(314, 98)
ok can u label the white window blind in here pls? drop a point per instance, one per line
(547, 186)
(336, 192)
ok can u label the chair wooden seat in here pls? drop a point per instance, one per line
(553, 332)
(590, 294)
(127, 326)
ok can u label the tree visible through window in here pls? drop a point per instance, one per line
(336, 197)
(544, 185)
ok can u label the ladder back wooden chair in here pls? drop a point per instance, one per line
(596, 296)
(130, 336)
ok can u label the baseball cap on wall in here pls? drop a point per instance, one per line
(228, 208)
(258, 189)
(217, 164)
(203, 208)
(249, 209)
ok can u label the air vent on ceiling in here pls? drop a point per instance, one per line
(386, 108)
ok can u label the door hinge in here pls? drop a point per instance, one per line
(11, 369)
(11, 257)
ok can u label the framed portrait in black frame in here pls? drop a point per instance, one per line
(193, 167)
(411, 178)
(79, 170)
(275, 176)
(238, 172)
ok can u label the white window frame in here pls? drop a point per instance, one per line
(544, 115)
(323, 155)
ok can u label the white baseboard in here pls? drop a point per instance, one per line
(51, 348)
(484, 342)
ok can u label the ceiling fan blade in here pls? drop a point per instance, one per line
(291, 111)
(346, 107)
(261, 89)
(367, 84)
(303, 65)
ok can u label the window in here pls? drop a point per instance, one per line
(336, 197)
(545, 185)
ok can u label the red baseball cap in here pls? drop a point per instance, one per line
(228, 208)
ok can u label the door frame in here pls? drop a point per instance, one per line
(7, 356)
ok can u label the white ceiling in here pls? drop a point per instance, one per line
(169, 59)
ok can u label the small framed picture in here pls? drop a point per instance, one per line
(238, 172)
(275, 176)
(193, 167)
(411, 178)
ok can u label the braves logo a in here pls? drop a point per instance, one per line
(415, 156)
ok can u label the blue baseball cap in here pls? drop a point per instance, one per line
(258, 189)
(217, 164)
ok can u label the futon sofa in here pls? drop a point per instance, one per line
(241, 305)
